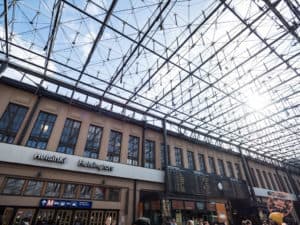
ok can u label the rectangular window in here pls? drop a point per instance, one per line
(41, 131)
(178, 157)
(162, 155)
(280, 188)
(262, 183)
(70, 190)
(230, 169)
(133, 150)
(99, 193)
(202, 163)
(114, 194)
(13, 186)
(288, 184)
(221, 167)
(272, 181)
(92, 145)
(238, 171)
(34, 188)
(53, 189)
(212, 165)
(11, 122)
(69, 137)
(254, 177)
(85, 191)
(267, 180)
(114, 146)
(191, 161)
(149, 161)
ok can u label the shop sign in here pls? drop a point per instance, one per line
(57, 203)
(49, 158)
(94, 165)
(177, 204)
(189, 205)
(211, 206)
(200, 205)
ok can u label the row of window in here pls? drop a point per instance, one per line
(14, 114)
(18, 186)
(271, 181)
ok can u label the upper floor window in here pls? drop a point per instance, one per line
(191, 161)
(178, 157)
(267, 180)
(33, 188)
(288, 184)
(230, 169)
(272, 182)
(41, 131)
(221, 167)
(260, 178)
(212, 165)
(69, 137)
(163, 157)
(238, 171)
(254, 177)
(11, 121)
(202, 163)
(149, 160)
(93, 142)
(114, 146)
(133, 150)
(13, 186)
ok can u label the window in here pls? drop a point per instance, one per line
(69, 137)
(149, 154)
(11, 121)
(178, 157)
(41, 131)
(53, 189)
(85, 191)
(254, 177)
(93, 141)
(260, 179)
(114, 194)
(238, 171)
(267, 180)
(272, 182)
(34, 188)
(162, 155)
(70, 191)
(99, 193)
(133, 150)
(202, 163)
(13, 186)
(212, 165)
(230, 169)
(221, 167)
(288, 184)
(278, 183)
(114, 146)
(191, 162)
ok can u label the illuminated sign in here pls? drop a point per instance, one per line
(94, 165)
(58, 203)
(49, 158)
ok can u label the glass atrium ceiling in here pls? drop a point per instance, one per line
(222, 72)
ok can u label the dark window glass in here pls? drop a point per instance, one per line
(41, 131)
(202, 163)
(191, 160)
(34, 188)
(114, 146)
(133, 150)
(238, 171)
(178, 157)
(11, 122)
(254, 177)
(70, 191)
(221, 167)
(149, 154)
(288, 184)
(230, 169)
(272, 182)
(99, 193)
(280, 188)
(69, 137)
(267, 180)
(85, 191)
(212, 165)
(114, 195)
(13, 186)
(52, 189)
(262, 183)
(93, 141)
(162, 155)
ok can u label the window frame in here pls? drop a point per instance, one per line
(230, 169)
(133, 154)
(178, 157)
(113, 150)
(202, 163)
(94, 150)
(191, 160)
(149, 162)
(212, 165)
(221, 167)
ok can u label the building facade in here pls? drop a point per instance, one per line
(69, 163)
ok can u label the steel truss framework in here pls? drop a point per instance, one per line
(221, 72)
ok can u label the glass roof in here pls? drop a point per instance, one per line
(221, 72)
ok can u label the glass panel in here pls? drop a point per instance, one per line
(13, 186)
(149, 154)
(202, 163)
(238, 171)
(230, 169)
(212, 165)
(70, 191)
(85, 191)
(114, 147)
(93, 142)
(162, 155)
(34, 188)
(114, 194)
(133, 150)
(99, 193)
(178, 157)
(221, 167)
(53, 189)
(191, 160)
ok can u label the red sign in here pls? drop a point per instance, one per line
(176, 204)
(189, 205)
